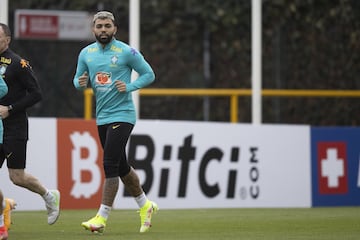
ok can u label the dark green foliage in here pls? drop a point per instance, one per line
(307, 44)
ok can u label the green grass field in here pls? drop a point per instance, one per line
(248, 224)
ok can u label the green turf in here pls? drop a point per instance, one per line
(206, 224)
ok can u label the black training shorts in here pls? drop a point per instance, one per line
(14, 151)
(113, 138)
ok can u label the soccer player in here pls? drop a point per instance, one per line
(5, 206)
(23, 92)
(107, 64)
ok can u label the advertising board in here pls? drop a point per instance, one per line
(180, 164)
(335, 166)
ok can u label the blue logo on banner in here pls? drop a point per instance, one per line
(335, 156)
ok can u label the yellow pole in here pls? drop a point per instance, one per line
(234, 108)
(88, 94)
(232, 93)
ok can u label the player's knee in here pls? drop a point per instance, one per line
(111, 170)
(116, 170)
(124, 170)
(17, 179)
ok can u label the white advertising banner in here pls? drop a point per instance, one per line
(53, 24)
(41, 163)
(204, 164)
(180, 164)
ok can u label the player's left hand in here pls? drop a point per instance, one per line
(120, 85)
(4, 112)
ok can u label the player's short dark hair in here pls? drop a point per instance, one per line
(6, 29)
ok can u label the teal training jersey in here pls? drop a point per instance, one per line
(106, 65)
(3, 92)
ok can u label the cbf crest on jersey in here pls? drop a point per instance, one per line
(114, 60)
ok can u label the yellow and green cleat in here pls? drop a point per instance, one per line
(96, 224)
(146, 213)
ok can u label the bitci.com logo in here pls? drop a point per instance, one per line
(80, 174)
(332, 168)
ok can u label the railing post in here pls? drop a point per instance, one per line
(88, 94)
(234, 108)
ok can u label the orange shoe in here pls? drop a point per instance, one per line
(10, 204)
(3, 233)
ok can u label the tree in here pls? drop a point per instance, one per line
(307, 44)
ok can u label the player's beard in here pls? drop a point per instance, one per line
(104, 38)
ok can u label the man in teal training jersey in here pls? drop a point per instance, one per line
(106, 66)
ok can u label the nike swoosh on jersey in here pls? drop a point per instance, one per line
(115, 126)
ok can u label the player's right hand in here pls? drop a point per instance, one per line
(83, 79)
